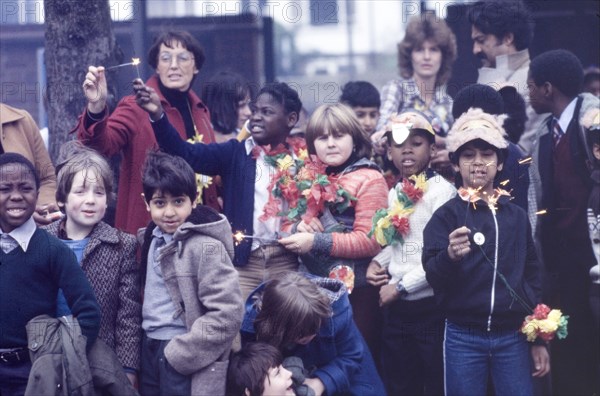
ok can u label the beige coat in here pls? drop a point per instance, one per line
(203, 285)
(512, 70)
(20, 134)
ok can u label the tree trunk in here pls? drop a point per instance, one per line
(78, 34)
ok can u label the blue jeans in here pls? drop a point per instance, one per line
(472, 355)
(157, 376)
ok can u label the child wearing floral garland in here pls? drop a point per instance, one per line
(480, 259)
(246, 169)
(337, 240)
(412, 323)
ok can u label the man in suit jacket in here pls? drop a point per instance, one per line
(561, 184)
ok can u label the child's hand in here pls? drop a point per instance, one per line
(541, 360)
(312, 227)
(133, 379)
(459, 245)
(316, 385)
(300, 243)
(376, 275)
(441, 158)
(387, 294)
(379, 142)
(46, 214)
(147, 99)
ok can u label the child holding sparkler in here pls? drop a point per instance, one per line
(480, 259)
(246, 169)
(337, 240)
(192, 306)
(413, 325)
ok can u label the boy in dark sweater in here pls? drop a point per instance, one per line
(33, 266)
(246, 169)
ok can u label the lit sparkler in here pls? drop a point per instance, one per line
(471, 195)
(134, 62)
(240, 236)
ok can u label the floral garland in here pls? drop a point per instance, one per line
(392, 225)
(302, 182)
(545, 323)
(202, 181)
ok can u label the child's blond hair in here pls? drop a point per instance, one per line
(73, 158)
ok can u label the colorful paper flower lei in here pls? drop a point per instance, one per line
(303, 183)
(202, 181)
(392, 224)
(545, 323)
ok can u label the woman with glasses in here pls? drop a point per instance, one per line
(177, 57)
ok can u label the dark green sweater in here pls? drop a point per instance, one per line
(29, 283)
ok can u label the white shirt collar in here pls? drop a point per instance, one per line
(249, 144)
(23, 233)
(567, 115)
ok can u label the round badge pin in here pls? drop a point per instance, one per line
(479, 239)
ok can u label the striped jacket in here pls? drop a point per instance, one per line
(109, 262)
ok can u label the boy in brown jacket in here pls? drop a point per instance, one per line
(192, 306)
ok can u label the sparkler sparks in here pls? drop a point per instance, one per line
(240, 236)
(134, 62)
(471, 195)
(525, 161)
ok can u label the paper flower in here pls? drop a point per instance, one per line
(202, 181)
(302, 182)
(344, 273)
(392, 224)
(545, 323)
